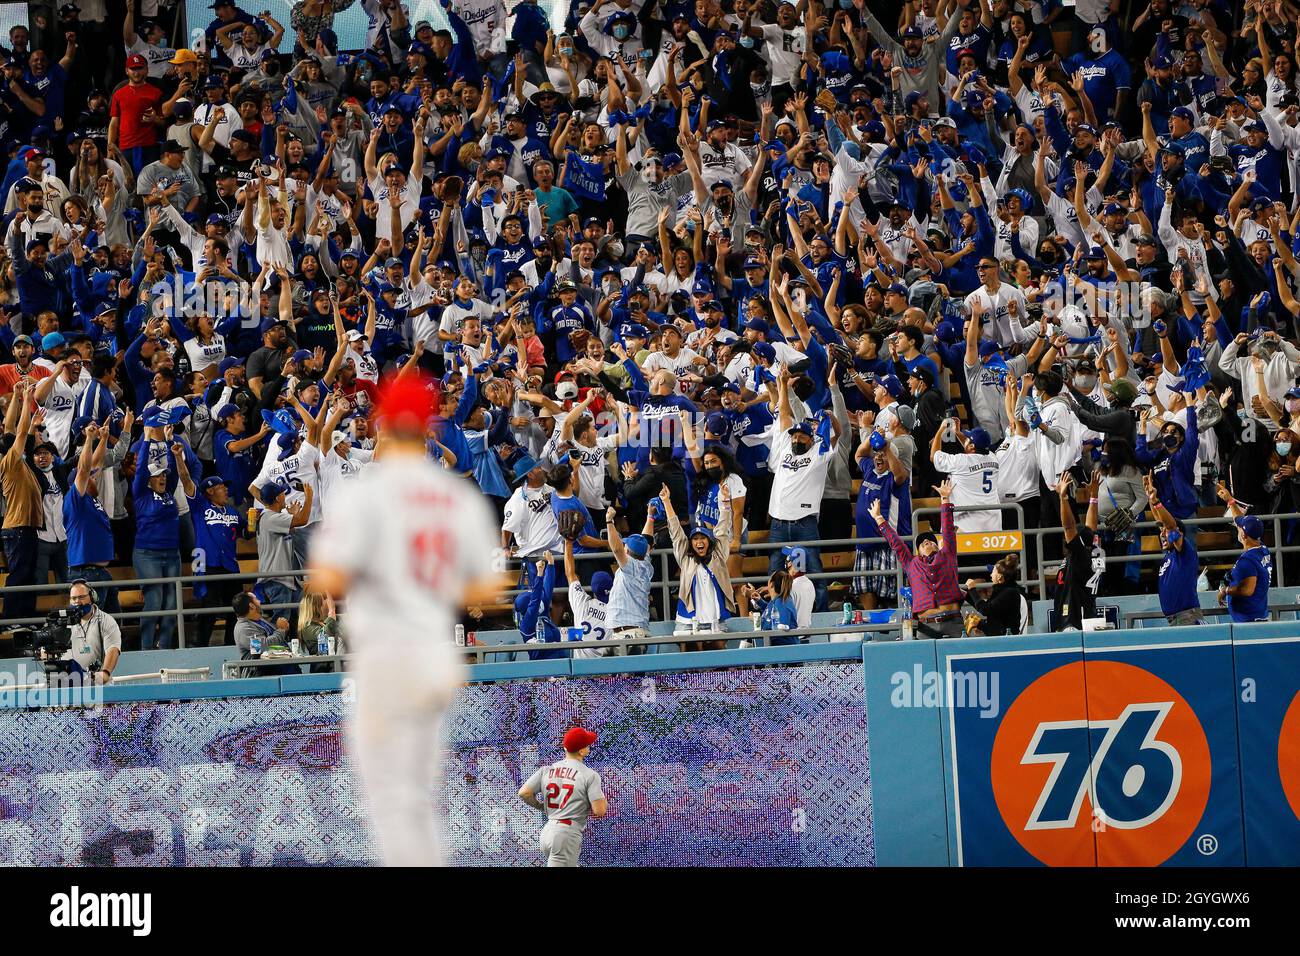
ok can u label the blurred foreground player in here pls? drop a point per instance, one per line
(408, 545)
(569, 792)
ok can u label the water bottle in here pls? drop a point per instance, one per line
(333, 645)
(756, 620)
(323, 644)
(1202, 582)
(905, 613)
(848, 614)
(460, 635)
(255, 645)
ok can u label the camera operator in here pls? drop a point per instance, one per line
(96, 637)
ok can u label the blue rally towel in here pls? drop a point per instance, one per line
(1195, 373)
(584, 180)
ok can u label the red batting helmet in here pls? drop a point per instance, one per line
(576, 739)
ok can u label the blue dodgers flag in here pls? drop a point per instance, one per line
(585, 180)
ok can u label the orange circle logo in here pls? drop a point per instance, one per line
(1120, 777)
(1288, 755)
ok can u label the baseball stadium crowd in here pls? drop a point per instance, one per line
(685, 274)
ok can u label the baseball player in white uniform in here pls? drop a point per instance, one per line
(408, 545)
(568, 791)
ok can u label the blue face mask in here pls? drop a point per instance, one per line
(748, 42)
(1283, 448)
(621, 32)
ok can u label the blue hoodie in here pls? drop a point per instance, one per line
(1174, 474)
(157, 521)
(533, 616)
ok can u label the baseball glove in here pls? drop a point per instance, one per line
(826, 100)
(572, 524)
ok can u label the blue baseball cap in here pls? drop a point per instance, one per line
(764, 350)
(803, 428)
(1161, 62)
(523, 466)
(1183, 113)
(891, 384)
(225, 411)
(758, 325)
(302, 355)
(911, 33)
(980, 439)
(229, 362)
(1114, 209)
(601, 583)
(716, 423)
(795, 555)
(672, 159)
(637, 545)
(272, 490)
(53, 340)
(1251, 526)
(212, 481)
(635, 330)
(754, 262)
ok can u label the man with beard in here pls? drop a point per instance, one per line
(34, 220)
(649, 190)
(921, 61)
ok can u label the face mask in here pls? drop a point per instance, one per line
(760, 89)
(566, 51)
(621, 32)
(1085, 383)
(715, 474)
(748, 42)
(1171, 442)
(1241, 414)
(1283, 448)
(800, 448)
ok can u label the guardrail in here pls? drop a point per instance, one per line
(667, 581)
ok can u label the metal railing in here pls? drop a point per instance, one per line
(178, 584)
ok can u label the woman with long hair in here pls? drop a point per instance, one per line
(1006, 608)
(711, 469)
(776, 606)
(704, 592)
(317, 615)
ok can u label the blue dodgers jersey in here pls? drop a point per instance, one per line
(1256, 563)
(1178, 573)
